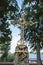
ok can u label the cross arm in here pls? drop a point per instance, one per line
(30, 23)
(15, 21)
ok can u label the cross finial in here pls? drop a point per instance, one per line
(22, 15)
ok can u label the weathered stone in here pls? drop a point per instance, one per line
(21, 55)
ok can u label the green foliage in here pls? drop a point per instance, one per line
(5, 38)
(35, 35)
(34, 12)
(8, 10)
(10, 57)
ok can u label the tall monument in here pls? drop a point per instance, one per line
(21, 51)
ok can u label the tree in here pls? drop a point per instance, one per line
(10, 57)
(33, 12)
(8, 10)
(5, 39)
(35, 36)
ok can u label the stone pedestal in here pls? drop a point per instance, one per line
(21, 55)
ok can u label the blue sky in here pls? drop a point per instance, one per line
(15, 37)
(19, 3)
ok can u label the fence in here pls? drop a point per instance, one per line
(6, 63)
(11, 63)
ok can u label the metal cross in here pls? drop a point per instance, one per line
(22, 22)
(22, 53)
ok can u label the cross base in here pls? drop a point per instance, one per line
(21, 55)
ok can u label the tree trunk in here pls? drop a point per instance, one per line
(38, 55)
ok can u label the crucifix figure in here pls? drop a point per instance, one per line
(21, 50)
(22, 22)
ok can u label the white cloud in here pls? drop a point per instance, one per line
(15, 38)
(14, 43)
